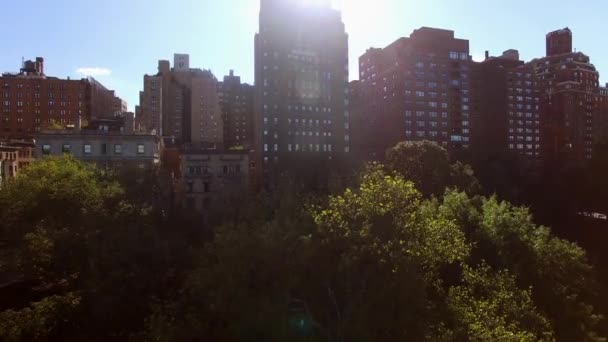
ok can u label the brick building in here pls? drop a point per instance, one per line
(32, 101)
(236, 102)
(181, 104)
(601, 116)
(301, 77)
(507, 115)
(417, 88)
(569, 89)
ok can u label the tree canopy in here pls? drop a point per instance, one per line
(378, 261)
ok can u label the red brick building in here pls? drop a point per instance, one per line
(417, 88)
(507, 115)
(30, 101)
(569, 90)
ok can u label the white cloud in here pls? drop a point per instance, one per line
(94, 71)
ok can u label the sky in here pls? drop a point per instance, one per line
(118, 41)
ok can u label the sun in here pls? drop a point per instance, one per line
(361, 15)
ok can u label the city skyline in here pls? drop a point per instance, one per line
(129, 38)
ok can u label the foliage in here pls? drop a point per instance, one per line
(489, 306)
(38, 321)
(427, 165)
(557, 271)
(379, 261)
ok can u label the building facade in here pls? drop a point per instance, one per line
(236, 102)
(301, 78)
(181, 104)
(601, 116)
(14, 157)
(418, 88)
(507, 116)
(569, 88)
(210, 176)
(103, 143)
(31, 101)
(120, 105)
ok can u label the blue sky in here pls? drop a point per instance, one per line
(121, 40)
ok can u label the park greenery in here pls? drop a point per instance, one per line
(412, 250)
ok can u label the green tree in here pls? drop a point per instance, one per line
(561, 280)
(428, 165)
(377, 263)
(73, 234)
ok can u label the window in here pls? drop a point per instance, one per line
(104, 149)
(206, 187)
(66, 148)
(140, 149)
(454, 55)
(46, 149)
(117, 149)
(86, 149)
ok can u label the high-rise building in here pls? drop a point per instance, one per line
(507, 116)
(569, 87)
(151, 104)
(32, 101)
(236, 101)
(601, 116)
(418, 88)
(181, 104)
(301, 78)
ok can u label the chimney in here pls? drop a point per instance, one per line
(231, 72)
(487, 54)
(40, 65)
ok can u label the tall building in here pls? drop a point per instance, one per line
(301, 78)
(236, 101)
(569, 88)
(507, 116)
(418, 88)
(601, 116)
(181, 104)
(32, 101)
(151, 105)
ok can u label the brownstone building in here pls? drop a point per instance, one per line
(32, 101)
(14, 157)
(236, 101)
(417, 88)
